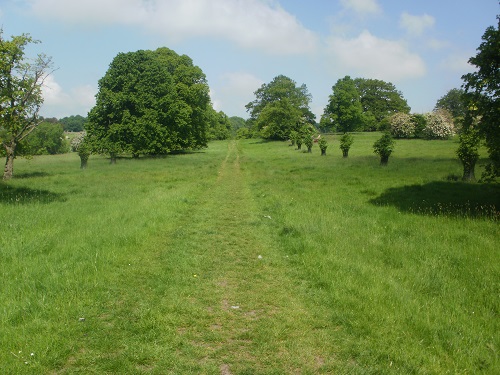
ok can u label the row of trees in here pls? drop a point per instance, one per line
(156, 102)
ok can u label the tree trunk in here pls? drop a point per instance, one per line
(345, 153)
(83, 162)
(9, 161)
(299, 146)
(309, 149)
(469, 172)
(323, 152)
(384, 159)
(113, 158)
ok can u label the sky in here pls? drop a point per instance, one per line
(421, 46)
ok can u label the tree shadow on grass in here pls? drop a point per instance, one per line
(31, 175)
(23, 195)
(443, 198)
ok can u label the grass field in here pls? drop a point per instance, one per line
(250, 258)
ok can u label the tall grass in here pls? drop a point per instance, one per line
(250, 257)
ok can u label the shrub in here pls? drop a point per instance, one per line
(402, 125)
(294, 136)
(439, 125)
(243, 133)
(308, 141)
(323, 144)
(420, 124)
(468, 152)
(47, 139)
(80, 144)
(345, 144)
(384, 148)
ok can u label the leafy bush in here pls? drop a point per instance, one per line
(420, 124)
(402, 125)
(384, 148)
(346, 142)
(323, 144)
(47, 139)
(468, 152)
(80, 144)
(438, 125)
(243, 133)
(308, 141)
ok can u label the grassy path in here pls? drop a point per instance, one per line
(248, 317)
(249, 258)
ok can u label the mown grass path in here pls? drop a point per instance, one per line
(249, 318)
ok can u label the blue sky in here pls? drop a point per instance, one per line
(421, 46)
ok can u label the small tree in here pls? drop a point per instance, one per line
(323, 144)
(81, 145)
(304, 133)
(308, 141)
(384, 148)
(293, 137)
(482, 88)
(21, 97)
(468, 152)
(346, 142)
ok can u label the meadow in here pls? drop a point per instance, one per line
(251, 257)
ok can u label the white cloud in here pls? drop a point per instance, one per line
(249, 23)
(52, 92)
(457, 63)
(91, 11)
(235, 90)
(59, 103)
(362, 6)
(416, 25)
(437, 44)
(373, 57)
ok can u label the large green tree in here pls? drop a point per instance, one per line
(379, 99)
(152, 103)
(21, 81)
(272, 100)
(219, 126)
(455, 103)
(482, 90)
(73, 123)
(344, 110)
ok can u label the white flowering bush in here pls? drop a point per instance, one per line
(439, 125)
(80, 144)
(77, 141)
(402, 125)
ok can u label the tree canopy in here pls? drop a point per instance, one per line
(280, 107)
(482, 90)
(73, 123)
(21, 80)
(454, 102)
(219, 127)
(344, 109)
(152, 103)
(361, 104)
(379, 99)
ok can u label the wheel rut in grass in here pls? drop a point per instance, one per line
(248, 316)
